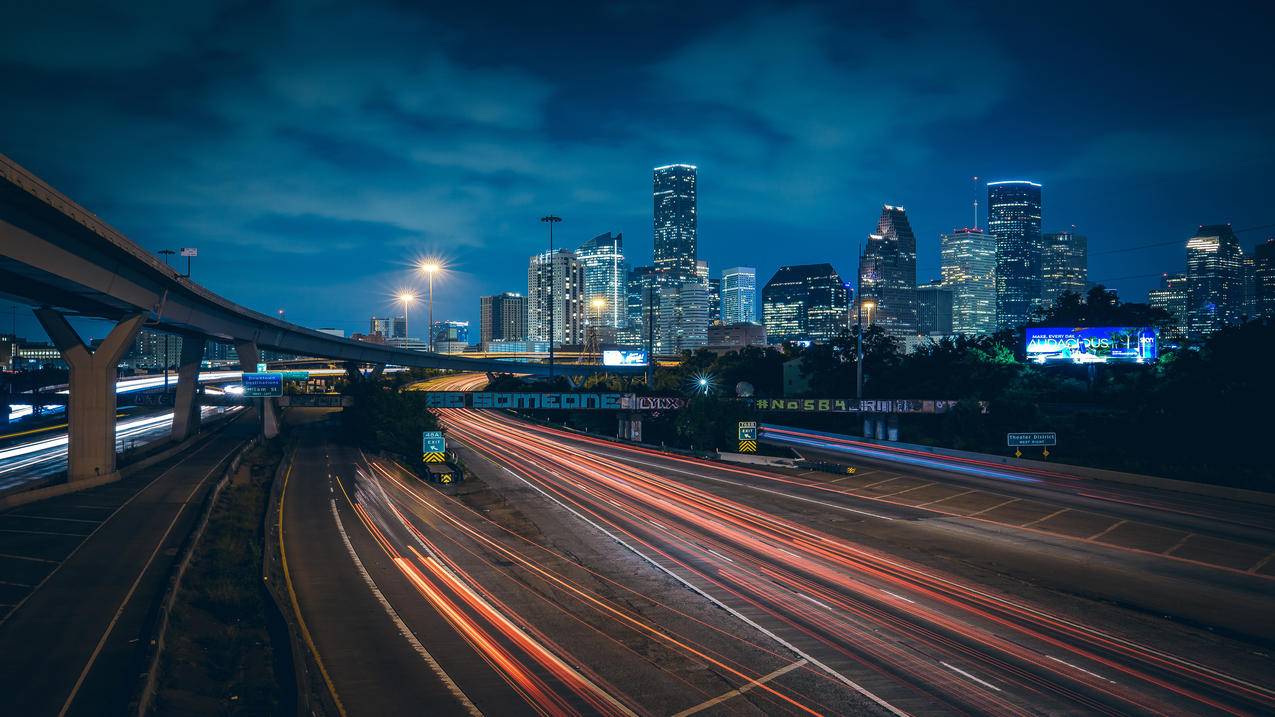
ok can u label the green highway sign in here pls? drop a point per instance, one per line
(748, 430)
(261, 368)
(1036, 438)
(296, 375)
(433, 442)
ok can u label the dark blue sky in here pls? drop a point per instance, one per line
(312, 152)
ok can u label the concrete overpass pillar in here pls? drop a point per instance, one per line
(352, 371)
(249, 357)
(90, 410)
(186, 410)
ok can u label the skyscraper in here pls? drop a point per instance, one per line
(605, 276)
(934, 310)
(807, 302)
(568, 297)
(389, 328)
(641, 293)
(1215, 280)
(1264, 278)
(676, 224)
(1013, 217)
(502, 317)
(739, 295)
(968, 265)
(888, 274)
(681, 313)
(1171, 296)
(1064, 265)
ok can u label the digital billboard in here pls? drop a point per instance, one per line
(624, 357)
(1100, 344)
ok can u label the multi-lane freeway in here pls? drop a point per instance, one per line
(577, 574)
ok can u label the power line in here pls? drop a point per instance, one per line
(1174, 242)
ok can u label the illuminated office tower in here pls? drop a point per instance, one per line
(739, 295)
(1171, 296)
(1215, 280)
(675, 228)
(934, 310)
(605, 279)
(389, 328)
(1013, 217)
(807, 302)
(564, 270)
(1064, 265)
(888, 274)
(681, 313)
(968, 266)
(1264, 279)
(502, 317)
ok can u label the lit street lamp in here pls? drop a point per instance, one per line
(406, 298)
(429, 268)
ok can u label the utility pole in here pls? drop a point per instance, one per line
(551, 220)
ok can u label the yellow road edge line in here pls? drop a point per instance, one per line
(292, 595)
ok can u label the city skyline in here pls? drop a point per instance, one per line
(353, 162)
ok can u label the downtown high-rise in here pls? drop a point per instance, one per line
(605, 279)
(561, 270)
(502, 317)
(1264, 279)
(1013, 217)
(1064, 265)
(968, 267)
(676, 224)
(738, 295)
(1215, 280)
(887, 274)
(807, 302)
(1171, 297)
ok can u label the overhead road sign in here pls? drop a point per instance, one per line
(295, 375)
(262, 385)
(189, 251)
(1036, 438)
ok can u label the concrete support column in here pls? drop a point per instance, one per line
(352, 371)
(90, 410)
(186, 411)
(249, 357)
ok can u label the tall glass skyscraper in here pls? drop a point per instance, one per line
(888, 274)
(739, 295)
(676, 225)
(808, 302)
(1013, 217)
(1064, 265)
(605, 279)
(968, 266)
(1215, 280)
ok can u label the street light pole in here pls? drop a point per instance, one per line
(551, 220)
(431, 312)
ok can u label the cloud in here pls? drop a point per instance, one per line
(1209, 146)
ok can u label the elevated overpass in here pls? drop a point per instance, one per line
(63, 260)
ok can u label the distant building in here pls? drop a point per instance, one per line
(154, 350)
(563, 269)
(1264, 279)
(888, 274)
(1172, 297)
(641, 300)
(739, 295)
(450, 330)
(390, 328)
(1215, 280)
(7, 345)
(605, 278)
(806, 302)
(736, 336)
(681, 321)
(1013, 217)
(934, 310)
(1064, 265)
(676, 224)
(517, 346)
(502, 317)
(968, 266)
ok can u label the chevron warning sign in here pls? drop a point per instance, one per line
(748, 446)
(434, 457)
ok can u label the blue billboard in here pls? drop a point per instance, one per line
(624, 357)
(1096, 344)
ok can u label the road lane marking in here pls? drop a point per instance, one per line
(896, 595)
(1106, 530)
(11, 556)
(1030, 523)
(1077, 667)
(741, 690)
(49, 517)
(906, 490)
(1178, 545)
(1261, 563)
(994, 507)
(880, 482)
(705, 594)
(723, 557)
(956, 669)
(940, 500)
(16, 585)
(823, 605)
(402, 627)
(44, 532)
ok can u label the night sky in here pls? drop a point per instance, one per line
(312, 153)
